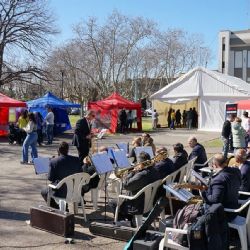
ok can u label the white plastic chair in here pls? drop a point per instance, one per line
(74, 185)
(149, 195)
(205, 163)
(168, 242)
(241, 224)
(95, 192)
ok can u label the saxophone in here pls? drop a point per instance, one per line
(120, 173)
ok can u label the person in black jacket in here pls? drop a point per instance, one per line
(226, 134)
(61, 167)
(197, 151)
(244, 166)
(82, 135)
(224, 185)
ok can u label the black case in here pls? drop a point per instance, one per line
(52, 220)
(112, 231)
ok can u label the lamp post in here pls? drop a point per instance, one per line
(62, 74)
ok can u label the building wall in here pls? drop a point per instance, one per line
(234, 53)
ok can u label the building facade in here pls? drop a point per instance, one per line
(234, 53)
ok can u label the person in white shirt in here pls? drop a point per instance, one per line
(154, 119)
(30, 140)
(49, 120)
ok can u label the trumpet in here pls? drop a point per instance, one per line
(120, 173)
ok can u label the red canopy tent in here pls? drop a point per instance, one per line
(107, 111)
(6, 103)
(243, 104)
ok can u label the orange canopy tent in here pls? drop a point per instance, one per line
(243, 104)
(107, 111)
(5, 104)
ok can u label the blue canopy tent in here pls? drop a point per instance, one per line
(59, 107)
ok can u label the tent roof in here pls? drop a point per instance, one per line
(50, 100)
(6, 101)
(202, 82)
(115, 101)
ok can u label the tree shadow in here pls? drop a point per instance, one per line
(10, 215)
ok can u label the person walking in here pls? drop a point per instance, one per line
(155, 116)
(172, 119)
(49, 120)
(178, 118)
(30, 140)
(239, 134)
(189, 118)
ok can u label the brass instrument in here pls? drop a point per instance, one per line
(120, 173)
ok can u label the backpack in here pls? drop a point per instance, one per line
(183, 219)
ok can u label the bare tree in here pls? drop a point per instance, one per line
(25, 30)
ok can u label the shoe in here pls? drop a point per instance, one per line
(24, 162)
(31, 162)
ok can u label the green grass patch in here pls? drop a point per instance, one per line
(73, 119)
(215, 143)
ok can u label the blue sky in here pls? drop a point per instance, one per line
(206, 17)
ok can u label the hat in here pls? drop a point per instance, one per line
(245, 113)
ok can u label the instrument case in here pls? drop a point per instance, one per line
(52, 220)
(112, 231)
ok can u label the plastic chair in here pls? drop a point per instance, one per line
(167, 242)
(95, 192)
(74, 185)
(149, 195)
(241, 224)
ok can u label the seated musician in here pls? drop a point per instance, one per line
(224, 185)
(150, 143)
(164, 166)
(137, 141)
(244, 166)
(145, 137)
(136, 179)
(61, 167)
(197, 151)
(180, 157)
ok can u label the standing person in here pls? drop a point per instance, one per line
(122, 120)
(239, 134)
(169, 117)
(246, 125)
(172, 119)
(184, 118)
(194, 118)
(39, 121)
(226, 133)
(82, 135)
(22, 123)
(49, 120)
(189, 118)
(30, 140)
(129, 119)
(154, 119)
(178, 118)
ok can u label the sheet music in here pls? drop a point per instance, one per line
(180, 193)
(121, 159)
(102, 163)
(199, 177)
(147, 149)
(41, 165)
(124, 146)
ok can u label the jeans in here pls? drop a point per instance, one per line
(31, 140)
(189, 123)
(49, 132)
(225, 146)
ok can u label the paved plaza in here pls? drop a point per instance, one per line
(20, 190)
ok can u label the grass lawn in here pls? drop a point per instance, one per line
(216, 143)
(146, 122)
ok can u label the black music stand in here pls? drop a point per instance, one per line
(103, 165)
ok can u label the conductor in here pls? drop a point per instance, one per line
(82, 135)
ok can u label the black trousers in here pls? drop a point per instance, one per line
(83, 151)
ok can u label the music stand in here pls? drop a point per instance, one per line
(120, 158)
(146, 149)
(103, 165)
(41, 165)
(99, 136)
(124, 146)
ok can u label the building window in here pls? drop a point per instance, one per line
(223, 65)
(238, 60)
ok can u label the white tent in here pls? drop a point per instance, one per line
(211, 89)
